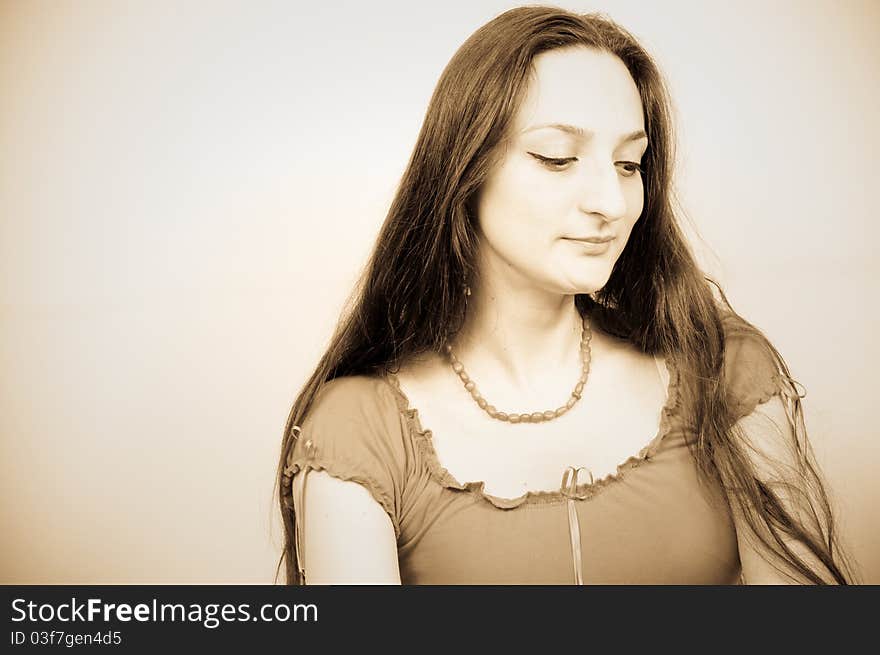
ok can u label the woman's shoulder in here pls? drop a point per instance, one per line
(745, 347)
(354, 412)
(351, 393)
(751, 368)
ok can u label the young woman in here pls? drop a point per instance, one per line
(536, 384)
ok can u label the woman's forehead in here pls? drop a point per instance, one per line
(588, 90)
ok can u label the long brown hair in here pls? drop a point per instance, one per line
(409, 300)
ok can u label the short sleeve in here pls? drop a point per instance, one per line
(351, 432)
(751, 374)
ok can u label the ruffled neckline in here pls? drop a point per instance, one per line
(423, 439)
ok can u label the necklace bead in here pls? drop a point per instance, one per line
(534, 417)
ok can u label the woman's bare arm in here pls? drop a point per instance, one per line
(347, 538)
(771, 450)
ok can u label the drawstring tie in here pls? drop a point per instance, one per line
(569, 490)
(298, 499)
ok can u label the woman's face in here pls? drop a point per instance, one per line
(570, 172)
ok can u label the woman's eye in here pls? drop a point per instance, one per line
(630, 168)
(554, 163)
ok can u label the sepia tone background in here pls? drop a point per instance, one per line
(189, 190)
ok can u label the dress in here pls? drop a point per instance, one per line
(651, 522)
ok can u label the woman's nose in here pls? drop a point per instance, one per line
(602, 194)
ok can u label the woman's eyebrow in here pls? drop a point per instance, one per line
(580, 132)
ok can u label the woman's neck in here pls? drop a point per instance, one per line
(528, 338)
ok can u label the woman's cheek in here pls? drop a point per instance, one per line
(636, 201)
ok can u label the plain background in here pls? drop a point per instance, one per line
(188, 192)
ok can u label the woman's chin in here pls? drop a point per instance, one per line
(588, 285)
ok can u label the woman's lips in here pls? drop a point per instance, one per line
(593, 246)
(604, 239)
